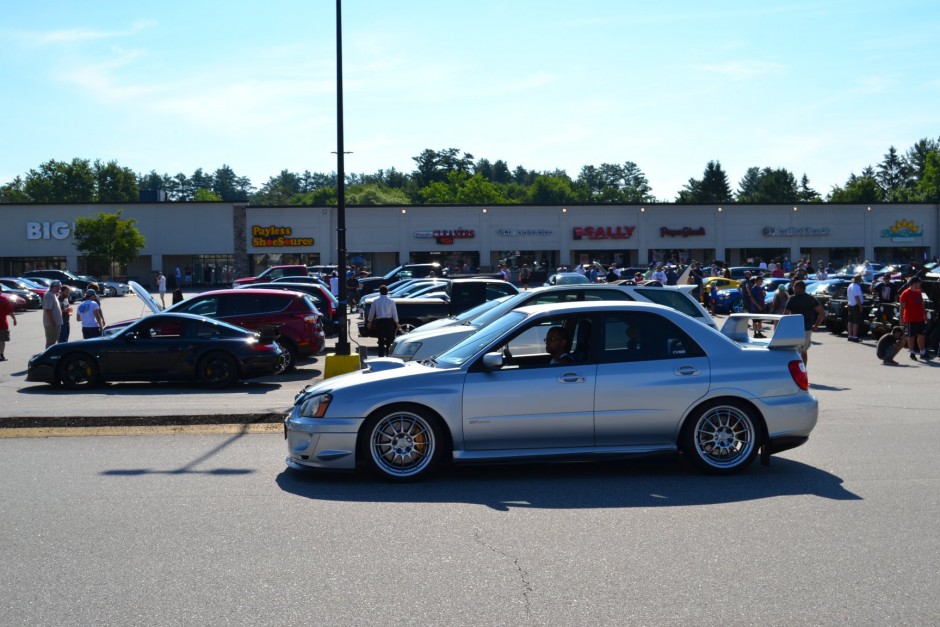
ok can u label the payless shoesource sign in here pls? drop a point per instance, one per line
(277, 237)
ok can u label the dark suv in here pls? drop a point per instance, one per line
(369, 284)
(67, 278)
(299, 328)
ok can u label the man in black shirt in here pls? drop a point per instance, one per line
(807, 306)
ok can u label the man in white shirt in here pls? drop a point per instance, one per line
(161, 288)
(383, 320)
(856, 298)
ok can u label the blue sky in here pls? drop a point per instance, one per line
(823, 88)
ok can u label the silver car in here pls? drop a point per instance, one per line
(427, 341)
(641, 379)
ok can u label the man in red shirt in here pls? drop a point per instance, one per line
(914, 318)
(6, 309)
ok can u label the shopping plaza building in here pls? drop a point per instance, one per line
(216, 242)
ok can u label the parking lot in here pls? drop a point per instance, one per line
(842, 375)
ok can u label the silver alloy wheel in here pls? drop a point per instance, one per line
(402, 444)
(725, 437)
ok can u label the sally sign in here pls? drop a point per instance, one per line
(603, 232)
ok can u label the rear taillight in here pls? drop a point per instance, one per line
(312, 319)
(263, 347)
(798, 372)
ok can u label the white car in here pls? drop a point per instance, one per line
(425, 342)
(638, 379)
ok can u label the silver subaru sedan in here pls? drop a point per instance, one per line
(624, 379)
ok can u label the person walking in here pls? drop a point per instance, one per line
(807, 306)
(89, 314)
(757, 297)
(383, 320)
(52, 313)
(913, 316)
(6, 309)
(161, 288)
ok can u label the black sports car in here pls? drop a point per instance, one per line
(162, 347)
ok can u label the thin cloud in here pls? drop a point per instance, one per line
(741, 70)
(79, 35)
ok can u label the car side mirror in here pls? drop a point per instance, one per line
(493, 361)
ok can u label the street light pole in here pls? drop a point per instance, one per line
(342, 342)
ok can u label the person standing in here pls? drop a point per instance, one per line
(383, 320)
(334, 283)
(807, 306)
(525, 274)
(913, 316)
(66, 314)
(179, 277)
(855, 298)
(161, 288)
(89, 313)
(6, 309)
(52, 313)
(757, 296)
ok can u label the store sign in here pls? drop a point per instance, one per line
(48, 230)
(276, 237)
(513, 232)
(603, 232)
(903, 231)
(446, 237)
(796, 231)
(685, 231)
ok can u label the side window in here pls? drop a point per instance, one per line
(249, 304)
(208, 306)
(672, 298)
(634, 336)
(163, 329)
(498, 290)
(529, 347)
(607, 295)
(555, 296)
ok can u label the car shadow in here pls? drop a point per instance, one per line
(663, 482)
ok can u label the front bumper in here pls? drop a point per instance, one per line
(327, 443)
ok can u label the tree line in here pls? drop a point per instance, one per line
(450, 176)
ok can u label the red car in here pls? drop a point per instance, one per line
(299, 328)
(274, 272)
(19, 303)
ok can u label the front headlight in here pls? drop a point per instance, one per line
(316, 406)
(406, 349)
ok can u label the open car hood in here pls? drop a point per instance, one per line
(145, 296)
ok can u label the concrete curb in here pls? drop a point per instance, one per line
(55, 422)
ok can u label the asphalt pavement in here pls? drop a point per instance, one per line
(25, 404)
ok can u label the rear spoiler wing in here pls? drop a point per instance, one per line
(788, 334)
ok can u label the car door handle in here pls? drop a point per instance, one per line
(571, 377)
(686, 370)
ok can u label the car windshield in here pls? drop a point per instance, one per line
(479, 310)
(498, 312)
(466, 349)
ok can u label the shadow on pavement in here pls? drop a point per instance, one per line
(665, 482)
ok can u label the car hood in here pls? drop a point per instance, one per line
(145, 296)
(421, 334)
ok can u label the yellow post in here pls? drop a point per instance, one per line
(340, 364)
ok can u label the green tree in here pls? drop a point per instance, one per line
(612, 183)
(205, 195)
(807, 193)
(434, 166)
(229, 186)
(110, 238)
(58, 181)
(552, 190)
(894, 175)
(768, 186)
(14, 192)
(928, 187)
(863, 188)
(374, 194)
(713, 188)
(114, 183)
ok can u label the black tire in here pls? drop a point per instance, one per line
(402, 443)
(79, 371)
(217, 370)
(722, 437)
(291, 354)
